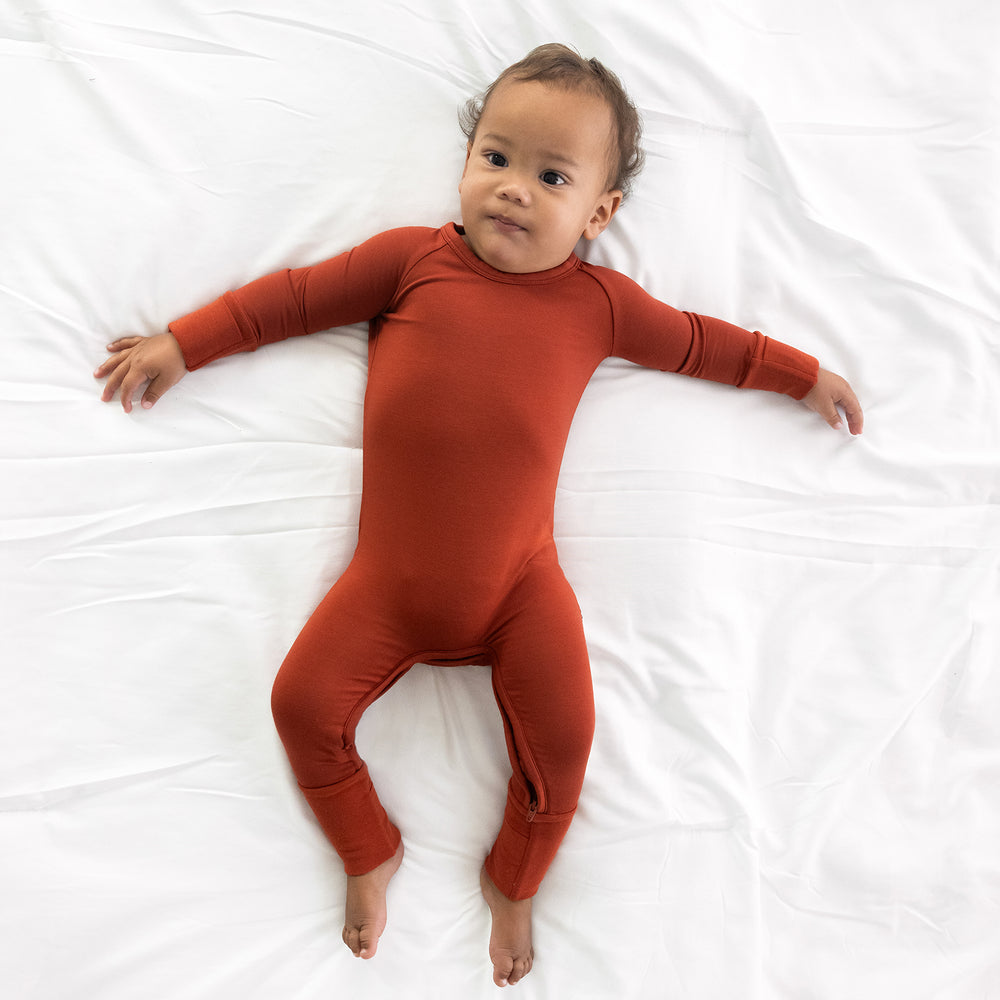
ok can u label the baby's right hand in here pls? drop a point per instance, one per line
(135, 361)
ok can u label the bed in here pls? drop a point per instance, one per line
(794, 633)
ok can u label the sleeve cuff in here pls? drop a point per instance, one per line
(777, 367)
(207, 334)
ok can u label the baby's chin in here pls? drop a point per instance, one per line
(503, 250)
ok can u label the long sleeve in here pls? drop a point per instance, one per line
(352, 287)
(651, 333)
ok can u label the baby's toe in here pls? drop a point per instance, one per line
(352, 939)
(503, 969)
(520, 968)
(368, 941)
(362, 939)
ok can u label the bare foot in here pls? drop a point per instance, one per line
(510, 938)
(365, 914)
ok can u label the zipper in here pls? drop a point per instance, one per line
(525, 764)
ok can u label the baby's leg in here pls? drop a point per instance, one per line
(541, 677)
(340, 663)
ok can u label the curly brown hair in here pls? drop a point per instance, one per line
(564, 67)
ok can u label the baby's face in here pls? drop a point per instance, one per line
(535, 177)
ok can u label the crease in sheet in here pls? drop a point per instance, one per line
(45, 310)
(103, 530)
(836, 790)
(423, 65)
(47, 798)
(829, 913)
(118, 600)
(50, 22)
(889, 276)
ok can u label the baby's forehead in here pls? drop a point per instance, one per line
(545, 110)
(530, 95)
(531, 104)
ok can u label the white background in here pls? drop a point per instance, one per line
(794, 634)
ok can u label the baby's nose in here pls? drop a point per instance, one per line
(514, 189)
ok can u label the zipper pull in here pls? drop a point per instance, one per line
(532, 810)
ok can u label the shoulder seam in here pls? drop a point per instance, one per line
(591, 271)
(436, 241)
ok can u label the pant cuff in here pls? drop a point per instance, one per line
(524, 849)
(354, 821)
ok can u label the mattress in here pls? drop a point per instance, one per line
(794, 632)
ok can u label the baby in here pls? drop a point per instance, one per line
(483, 337)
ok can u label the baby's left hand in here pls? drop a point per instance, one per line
(830, 391)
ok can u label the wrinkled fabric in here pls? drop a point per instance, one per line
(793, 633)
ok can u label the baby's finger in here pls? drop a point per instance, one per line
(827, 409)
(156, 388)
(123, 343)
(109, 365)
(854, 414)
(116, 371)
(130, 385)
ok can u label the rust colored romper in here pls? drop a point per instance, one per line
(474, 377)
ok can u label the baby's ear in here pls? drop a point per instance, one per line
(465, 165)
(604, 212)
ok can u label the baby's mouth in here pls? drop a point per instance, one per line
(505, 225)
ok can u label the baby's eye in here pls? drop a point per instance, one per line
(552, 178)
(496, 159)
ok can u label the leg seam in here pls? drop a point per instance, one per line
(522, 749)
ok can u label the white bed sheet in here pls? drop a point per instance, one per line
(793, 791)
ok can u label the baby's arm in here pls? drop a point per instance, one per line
(136, 361)
(349, 288)
(830, 391)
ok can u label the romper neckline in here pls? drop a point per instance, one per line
(453, 233)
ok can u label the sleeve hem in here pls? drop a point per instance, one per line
(777, 367)
(208, 334)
